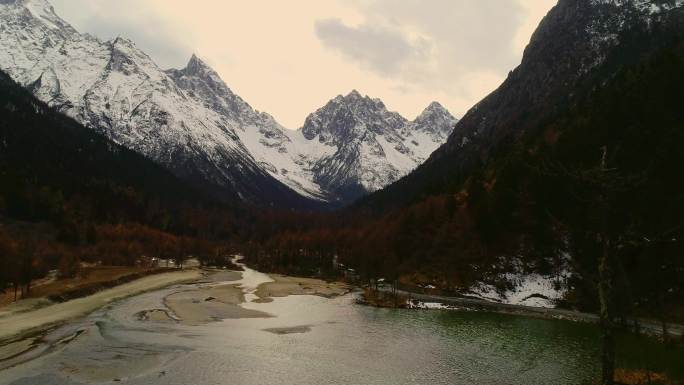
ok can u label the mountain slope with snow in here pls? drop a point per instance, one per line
(371, 146)
(189, 120)
(116, 89)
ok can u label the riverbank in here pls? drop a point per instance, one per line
(218, 297)
(283, 286)
(144, 340)
(89, 280)
(428, 301)
(224, 293)
(37, 315)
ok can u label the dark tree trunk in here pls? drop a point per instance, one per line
(605, 288)
(607, 338)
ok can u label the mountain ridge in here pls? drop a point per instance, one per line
(188, 119)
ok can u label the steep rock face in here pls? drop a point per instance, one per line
(573, 45)
(373, 147)
(190, 121)
(577, 47)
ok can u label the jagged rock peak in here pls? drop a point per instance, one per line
(120, 40)
(356, 99)
(197, 66)
(435, 120)
(354, 94)
(432, 109)
(41, 11)
(29, 3)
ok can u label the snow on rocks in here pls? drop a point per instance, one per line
(528, 289)
(511, 281)
(414, 304)
(370, 146)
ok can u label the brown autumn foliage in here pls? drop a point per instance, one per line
(640, 377)
(24, 259)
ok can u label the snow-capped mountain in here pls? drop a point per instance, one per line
(369, 146)
(116, 89)
(191, 122)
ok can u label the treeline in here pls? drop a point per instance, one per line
(70, 196)
(602, 179)
(28, 256)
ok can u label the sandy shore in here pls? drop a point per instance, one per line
(17, 322)
(283, 286)
(217, 295)
(222, 300)
(194, 307)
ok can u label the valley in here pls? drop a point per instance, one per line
(156, 228)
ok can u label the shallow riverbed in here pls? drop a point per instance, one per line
(315, 340)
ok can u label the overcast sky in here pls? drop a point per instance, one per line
(289, 58)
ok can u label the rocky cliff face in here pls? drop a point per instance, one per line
(574, 45)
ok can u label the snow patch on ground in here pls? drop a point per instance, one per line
(413, 304)
(511, 281)
(528, 289)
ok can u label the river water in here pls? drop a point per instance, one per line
(313, 340)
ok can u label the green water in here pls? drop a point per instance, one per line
(338, 342)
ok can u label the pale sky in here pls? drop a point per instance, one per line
(289, 58)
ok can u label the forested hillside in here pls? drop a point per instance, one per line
(69, 195)
(606, 168)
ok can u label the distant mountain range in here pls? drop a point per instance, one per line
(189, 120)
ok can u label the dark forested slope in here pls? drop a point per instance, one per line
(50, 164)
(561, 160)
(69, 194)
(578, 46)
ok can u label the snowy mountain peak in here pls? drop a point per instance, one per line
(372, 146)
(354, 94)
(37, 7)
(350, 116)
(38, 10)
(356, 98)
(197, 67)
(122, 41)
(435, 113)
(434, 109)
(435, 121)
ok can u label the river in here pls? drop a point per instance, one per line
(314, 340)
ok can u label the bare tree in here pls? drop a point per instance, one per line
(598, 189)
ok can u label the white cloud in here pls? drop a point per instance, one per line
(437, 45)
(290, 57)
(381, 49)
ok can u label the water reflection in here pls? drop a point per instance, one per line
(313, 340)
